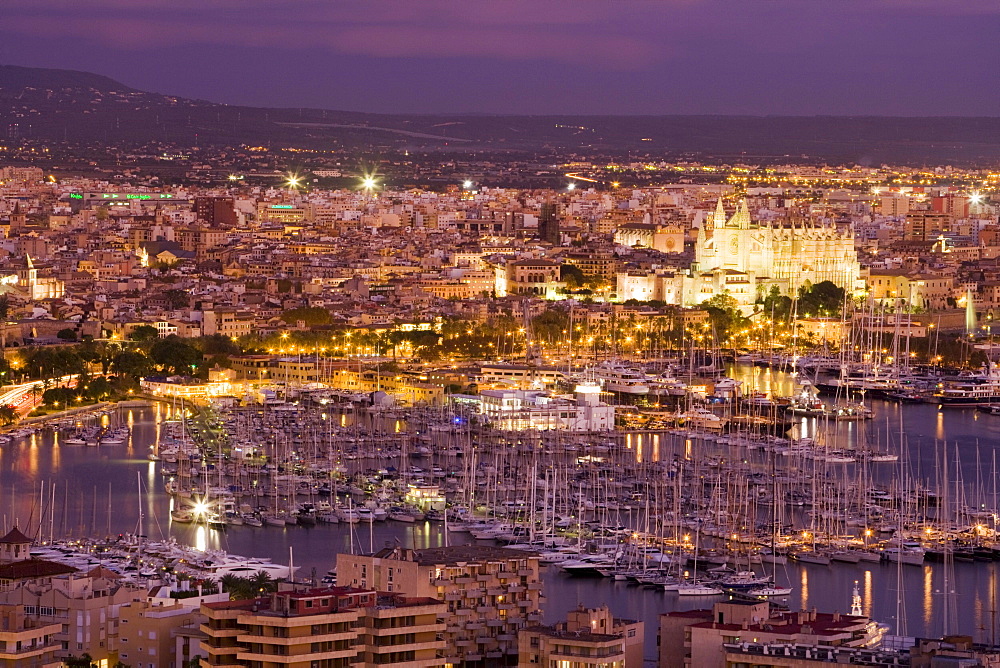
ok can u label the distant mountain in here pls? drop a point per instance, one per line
(59, 105)
(13, 77)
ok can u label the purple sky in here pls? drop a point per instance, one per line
(881, 57)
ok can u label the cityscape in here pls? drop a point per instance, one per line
(516, 369)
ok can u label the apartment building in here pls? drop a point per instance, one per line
(703, 638)
(146, 634)
(489, 593)
(25, 643)
(589, 638)
(328, 627)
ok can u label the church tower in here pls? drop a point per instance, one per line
(28, 276)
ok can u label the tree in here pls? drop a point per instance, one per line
(67, 334)
(5, 306)
(550, 324)
(312, 316)
(724, 314)
(131, 363)
(144, 333)
(177, 298)
(572, 276)
(174, 355)
(237, 587)
(241, 588)
(99, 389)
(8, 414)
(778, 304)
(821, 299)
(82, 661)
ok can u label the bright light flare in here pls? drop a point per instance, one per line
(293, 181)
(976, 197)
(467, 184)
(200, 508)
(571, 186)
(369, 182)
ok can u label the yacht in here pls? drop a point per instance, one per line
(967, 392)
(617, 377)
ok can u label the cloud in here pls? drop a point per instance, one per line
(582, 32)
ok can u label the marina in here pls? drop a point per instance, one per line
(606, 513)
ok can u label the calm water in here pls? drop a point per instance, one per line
(97, 492)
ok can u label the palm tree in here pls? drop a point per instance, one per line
(263, 583)
(8, 414)
(237, 587)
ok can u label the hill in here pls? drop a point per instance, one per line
(64, 105)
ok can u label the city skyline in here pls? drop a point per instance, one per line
(675, 57)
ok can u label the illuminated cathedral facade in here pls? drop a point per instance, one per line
(747, 259)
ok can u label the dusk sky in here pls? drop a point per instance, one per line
(800, 57)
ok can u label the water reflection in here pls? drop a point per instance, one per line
(928, 594)
(95, 492)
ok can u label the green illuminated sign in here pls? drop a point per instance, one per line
(141, 196)
(282, 206)
(75, 196)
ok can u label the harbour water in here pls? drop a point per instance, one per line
(114, 489)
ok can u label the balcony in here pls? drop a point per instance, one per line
(453, 596)
(220, 633)
(406, 647)
(534, 586)
(484, 577)
(527, 573)
(300, 640)
(433, 627)
(348, 653)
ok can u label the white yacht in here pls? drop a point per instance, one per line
(617, 377)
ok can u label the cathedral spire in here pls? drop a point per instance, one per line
(28, 262)
(719, 217)
(741, 219)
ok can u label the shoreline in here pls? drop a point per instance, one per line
(41, 419)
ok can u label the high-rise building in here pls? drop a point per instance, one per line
(328, 627)
(490, 592)
(548, 223)
(215, 211)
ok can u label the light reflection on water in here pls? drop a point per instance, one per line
(85, 477)
(928, 603)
